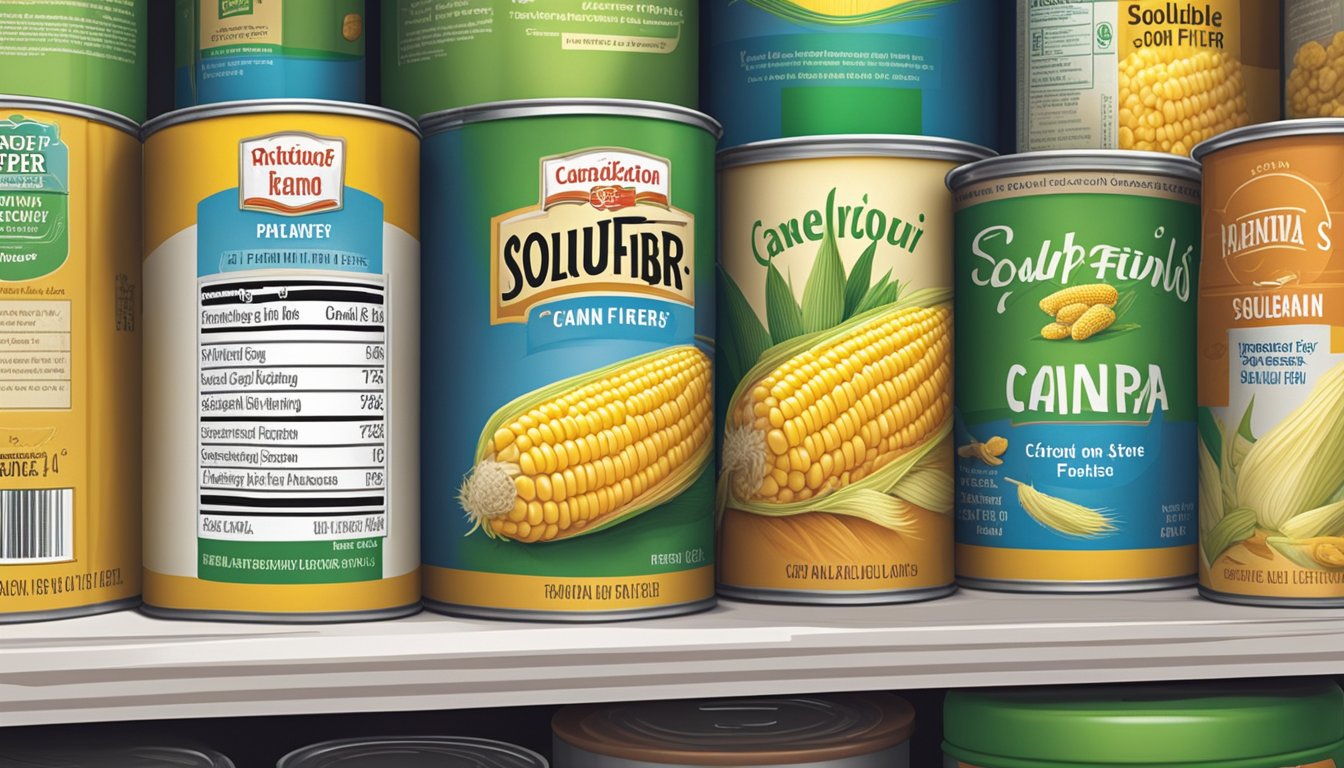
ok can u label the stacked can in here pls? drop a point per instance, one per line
(72, 77)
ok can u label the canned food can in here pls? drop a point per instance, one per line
(835, 369)
(90, 52)
(1313, 55)
(1150, 75)
(282, 340)
(864, 730)
(413, 752)
(1271, 367)
(780, 68)
(109, 756)
(70, 323)
(570, 245)
(1076, 278)
(236, 50)
(1272, 724)
(490, 50)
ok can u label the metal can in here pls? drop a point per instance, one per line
(1076, 276)
(236, 50)
(1271, 366)
(778, 68)
(1313, 54)
(570, 247)
(1150, 75)
(490, 50)
(108, 756)
(281, 356)
(864, 730)
(413, 751)
(1273, 724)
(835, 369)
(70, 317)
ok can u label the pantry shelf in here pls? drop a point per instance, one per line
(128, 667)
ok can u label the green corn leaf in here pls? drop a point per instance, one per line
(872, 298)
(1125, 303)
(824, 293)
(1212, 434)
(782, 312)
(860, 277)
(1235, 527)
(746, 338)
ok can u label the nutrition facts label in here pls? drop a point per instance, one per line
(292, 407)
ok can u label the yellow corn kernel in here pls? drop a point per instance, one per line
(1178, 96)
(1093, 321)
(1069, 314)
(1315, 86)
(865, 395)
(1095, 293)
(615, 437)
(1055, 331)
(996, 446)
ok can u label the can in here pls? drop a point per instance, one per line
(282, 338)
(835, 483)
(861, 730)
(1273, 724)
(90, 52)
(570, 248)
(1150, 75)
(413, 752)
(780, 68)
(492, 51)
(1313, 41)
(70, 323)
(1271, 367)
(49, 756)
(236, 50)
(1076, 275)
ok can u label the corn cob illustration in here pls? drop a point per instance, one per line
(1080, 311)
(591, 451)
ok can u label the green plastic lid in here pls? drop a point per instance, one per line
(1211, 723)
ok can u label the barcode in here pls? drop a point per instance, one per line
(36, 526)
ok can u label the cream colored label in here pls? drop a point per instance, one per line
(240, 22)
(292, 174)
(34, 355)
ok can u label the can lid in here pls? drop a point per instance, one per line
(1115, 160)
(757, 731)
(1315, 126)
(97, 115)
(116, 757)
(854, 145)
(1211, 723)
(438, 122)
(413, 752)
(275, 107)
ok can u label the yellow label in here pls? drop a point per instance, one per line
(514, 592)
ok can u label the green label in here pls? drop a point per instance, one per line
(34, 199)
(229, 8)
(291, 562)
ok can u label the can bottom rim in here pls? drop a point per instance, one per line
(818, 597)
(571, 617)
(112, 606)
(1077, 587)
(1270, 602)
(253, 617)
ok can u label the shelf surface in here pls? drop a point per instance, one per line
(126, 666)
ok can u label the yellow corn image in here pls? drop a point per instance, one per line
(1093, 321)
(1172, 98)
(1087, 295)
(590, 451)
(1315, 86)
(1063, 515)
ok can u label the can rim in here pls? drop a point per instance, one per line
(96, 114)
(1311, 126)
(449, 119)
(276, 106)
(1120, 160)
(854, 145)
(299, 757)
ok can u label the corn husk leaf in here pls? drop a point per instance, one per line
(882, 293)
(746, 338)
(1210, 490)
(1326, 520)
(859, 280)
(1299, 551)
(1126, 303)
(1235, 448)
(824, 293)
(1234, 528)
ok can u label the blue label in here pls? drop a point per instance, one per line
(234, 240)
(269, 76)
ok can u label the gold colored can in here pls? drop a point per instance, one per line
(69, 360)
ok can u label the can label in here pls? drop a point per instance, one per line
(1147, 75)
(584, 441)
(302, 286)
(69, 364)
(1271, 362)
(814, 67)
(1075, 402)
(89, 52)
(552, 48)
(836, 376)
(952, 763)
(1313, 38)
(233, 50)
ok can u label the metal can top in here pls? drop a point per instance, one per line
(275, 107)
(114, 757)
(1315, 126)
(1113, 160)
(438, 122)
(95, 114)
(758, 731)
(413, 752)
(854, 145)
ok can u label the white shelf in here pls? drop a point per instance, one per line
(128, 667)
